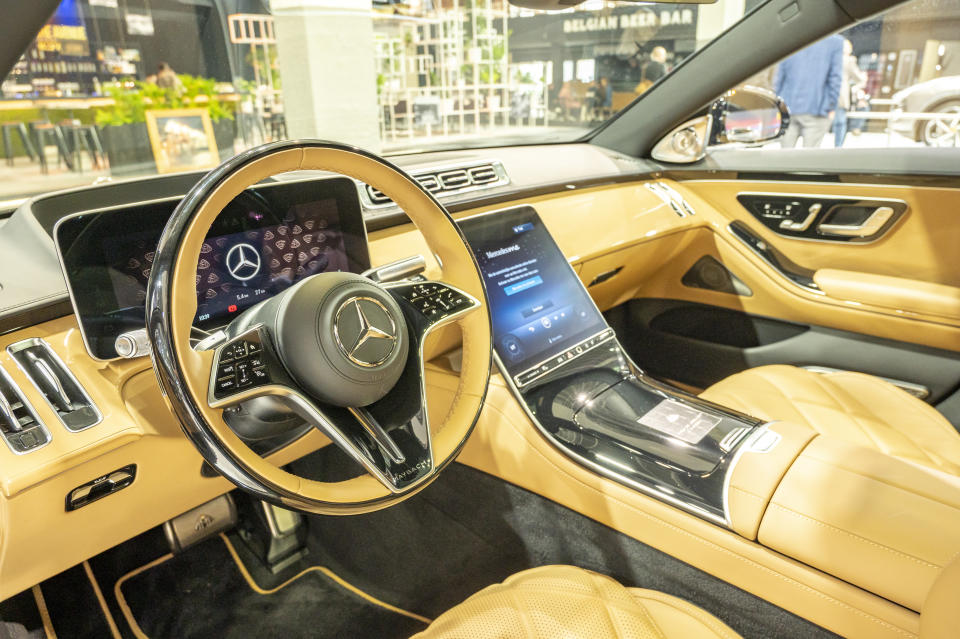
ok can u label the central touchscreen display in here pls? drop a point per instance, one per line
(538, 305)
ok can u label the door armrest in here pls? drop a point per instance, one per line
(890, 292)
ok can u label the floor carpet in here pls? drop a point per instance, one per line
(204, 593)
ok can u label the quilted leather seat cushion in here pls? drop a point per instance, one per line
(569, 602)
(861, 409)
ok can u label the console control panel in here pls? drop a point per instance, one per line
(535, 372)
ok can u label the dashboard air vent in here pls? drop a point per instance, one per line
(19, 425)
(56, 383)
(483, 175)
(429, 182)
(445, 181)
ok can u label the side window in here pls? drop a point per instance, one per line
(892, 81)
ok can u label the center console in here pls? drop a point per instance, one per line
(564, 364)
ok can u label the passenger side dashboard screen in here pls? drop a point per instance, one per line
(538, 305)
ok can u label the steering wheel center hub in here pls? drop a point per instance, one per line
(342, 337)
(365, 331)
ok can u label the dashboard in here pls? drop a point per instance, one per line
(267, 239)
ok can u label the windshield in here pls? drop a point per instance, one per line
(118, 88)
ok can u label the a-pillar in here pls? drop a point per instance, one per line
(326, 59)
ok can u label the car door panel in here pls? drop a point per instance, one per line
(889, 307)
(920, 246)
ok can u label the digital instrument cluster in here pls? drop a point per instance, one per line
(263, 242)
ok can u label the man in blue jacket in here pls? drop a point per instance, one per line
(809, 82)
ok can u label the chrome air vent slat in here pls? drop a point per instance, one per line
(483, 175)
(376, 196)
(452, 180)
(429, 182)
(63, 393)
(445, 181)
(20, 427)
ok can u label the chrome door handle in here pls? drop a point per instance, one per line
(804, 224)
(871, 226)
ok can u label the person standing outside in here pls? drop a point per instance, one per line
(653, 69)
(853, 79)
(167, 78)
(809, 82)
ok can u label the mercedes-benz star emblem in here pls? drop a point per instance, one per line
(365, 331)
(243, 262)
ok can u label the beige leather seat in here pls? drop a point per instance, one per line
(568, 602)
(858, 408)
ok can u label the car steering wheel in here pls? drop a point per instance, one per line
(341, 351)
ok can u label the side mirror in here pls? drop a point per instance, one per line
(748, 115)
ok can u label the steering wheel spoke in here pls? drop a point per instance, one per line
(389, 439)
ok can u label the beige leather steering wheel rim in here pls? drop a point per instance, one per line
(184, 373)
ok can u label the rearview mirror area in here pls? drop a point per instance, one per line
(748, 115)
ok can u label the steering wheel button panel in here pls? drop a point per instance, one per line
(241, 365)
(435, 301)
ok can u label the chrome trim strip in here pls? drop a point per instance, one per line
(397, 270)
(36, 341)
(776, 268)
(744, 446)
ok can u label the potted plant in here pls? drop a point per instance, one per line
(123, 126)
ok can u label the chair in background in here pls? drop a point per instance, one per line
(19, 128)
(83, 137)
(46, 134)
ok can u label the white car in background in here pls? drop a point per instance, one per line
(940, 96)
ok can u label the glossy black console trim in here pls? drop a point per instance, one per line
(597, 407)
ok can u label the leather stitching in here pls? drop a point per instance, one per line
(703, 617)
(833, 463)
(605, 606)
(928, 414)
(876, 431)
(521, 612)
(710, 544)
(823, 524)
(747, 493)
